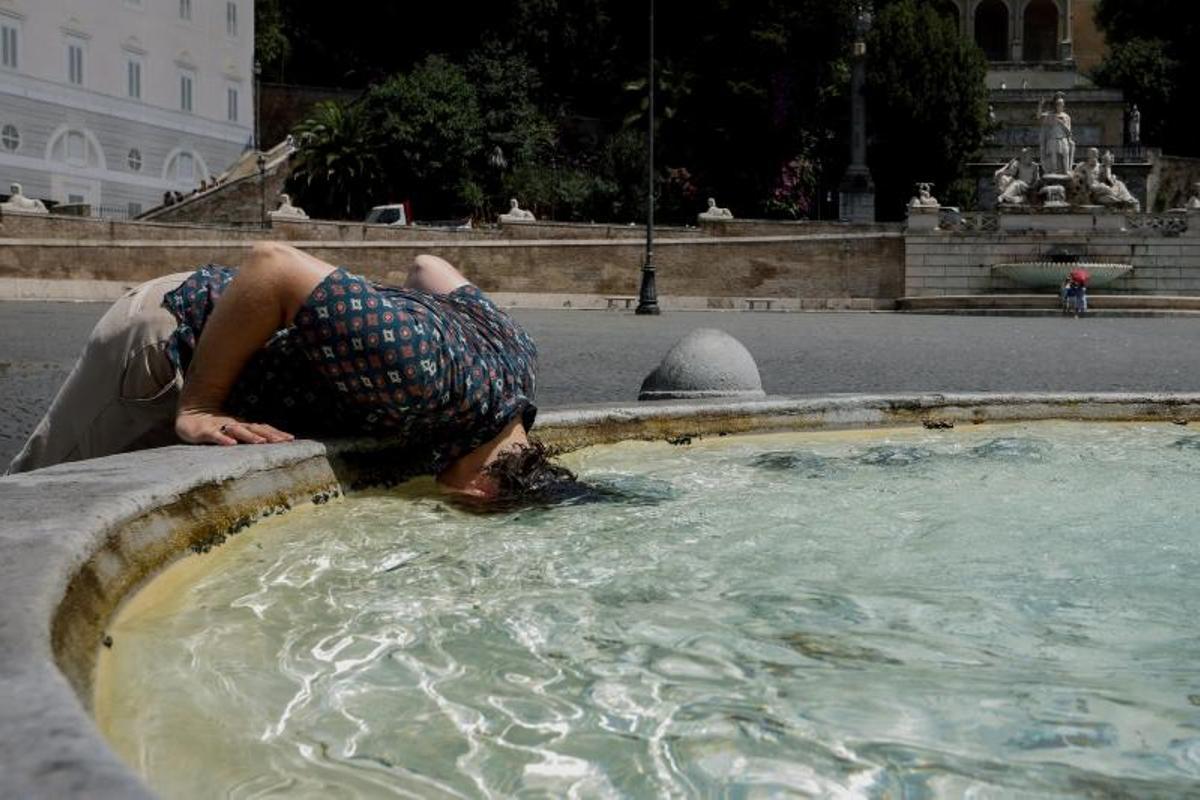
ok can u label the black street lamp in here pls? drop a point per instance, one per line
(262, 188)
(648, 297)
(258, 105)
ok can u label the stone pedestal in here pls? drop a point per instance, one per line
(1081, 219)
(922, 219)
(856, 197)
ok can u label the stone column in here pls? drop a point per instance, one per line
(1066, 22)
(857, 190)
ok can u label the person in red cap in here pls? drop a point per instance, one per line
(1076, 295)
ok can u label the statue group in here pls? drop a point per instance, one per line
(1022, 181)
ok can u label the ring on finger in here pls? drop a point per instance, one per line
(224, 428)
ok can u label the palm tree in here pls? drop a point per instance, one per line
(339, 171)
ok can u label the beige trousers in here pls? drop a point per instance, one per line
(122, 393)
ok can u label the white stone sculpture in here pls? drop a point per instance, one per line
(1016, 179)
(288, 211)
(1194, 203)
(1135, 125)
(1053, 196)
(1103, 187)
(924, 198)
(1058, 142)
(17, 201)
(517, 214)
(714, 213)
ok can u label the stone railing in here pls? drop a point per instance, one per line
(951, 219)
(1166, 224)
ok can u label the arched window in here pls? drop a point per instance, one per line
(75, 147)
(1041, 31)
(185, 168)
(991, 30)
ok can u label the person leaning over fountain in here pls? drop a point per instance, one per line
(291, 343)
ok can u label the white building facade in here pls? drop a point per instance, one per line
(114, 102)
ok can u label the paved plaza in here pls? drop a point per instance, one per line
(592, 357)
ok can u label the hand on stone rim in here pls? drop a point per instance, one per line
(204, 427)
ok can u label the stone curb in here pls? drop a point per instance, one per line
(76, 538)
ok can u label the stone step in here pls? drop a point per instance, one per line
(1043, 303)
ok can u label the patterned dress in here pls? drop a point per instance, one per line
(445, 373)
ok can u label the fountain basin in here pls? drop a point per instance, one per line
(75, 540)
(1044, 274)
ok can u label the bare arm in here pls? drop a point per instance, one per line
(264, 297)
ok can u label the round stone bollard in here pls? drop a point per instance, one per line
(705, 363)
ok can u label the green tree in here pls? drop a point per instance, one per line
(1153, 58)
(339, 172)
(433, 129)
(926, 102)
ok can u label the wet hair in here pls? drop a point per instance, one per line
(526, 476)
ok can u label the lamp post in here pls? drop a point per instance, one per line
(262, 188)
(258, 105)
(857, 191)
(648, 296)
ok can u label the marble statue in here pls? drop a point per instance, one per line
(1053, 196)
(1016, 179)
(1096, 178)
(924, 198)
(288, 211)
(714, 212)
(1058, 143)
(517, 214)
(1135, 125)
(17, 201)
(1194, 203)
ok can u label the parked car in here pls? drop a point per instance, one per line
(394, 214)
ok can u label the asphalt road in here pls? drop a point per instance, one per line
(589, 357)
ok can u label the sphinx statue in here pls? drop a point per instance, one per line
(517, 214)
(924, 198)
(17, 201)
(288, 211)
(714, 212)
(1016, 179)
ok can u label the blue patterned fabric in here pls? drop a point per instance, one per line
(446, 372)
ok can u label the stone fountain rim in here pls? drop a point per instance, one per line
(76, 538)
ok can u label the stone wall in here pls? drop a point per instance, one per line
(830, 270)
(1164, 251)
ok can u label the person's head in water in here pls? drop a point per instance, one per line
(525, 476)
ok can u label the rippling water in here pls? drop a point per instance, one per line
(1000, 611)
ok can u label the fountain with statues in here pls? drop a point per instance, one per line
(1051, 190)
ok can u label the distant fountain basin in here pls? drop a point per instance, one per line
(1042, 274)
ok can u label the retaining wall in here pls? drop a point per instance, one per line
(1164, 251)
(844, 269)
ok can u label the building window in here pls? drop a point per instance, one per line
(187, 82)
(8, 45)
(185, 9)
(10, 137)
(135, 160)
(76, 149)
(231, 95)
(134, 75)
(75, 62)
(135, 210)
(183, 169)
(231, 18)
